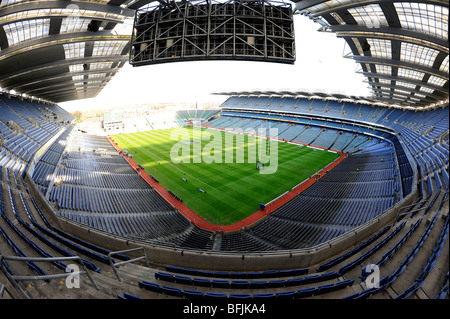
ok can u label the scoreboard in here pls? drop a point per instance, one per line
(212, 30)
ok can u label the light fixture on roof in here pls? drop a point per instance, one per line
(93, 26)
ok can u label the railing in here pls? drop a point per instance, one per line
(3, 288)
(444, 137)
(14, 278)
(117, 265)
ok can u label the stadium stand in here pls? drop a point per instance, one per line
(91, 176)
(195, 116)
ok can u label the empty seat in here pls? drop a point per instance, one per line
(294, 281)
(344, 284)
(352, 296)
(172, 291)
(218, 283)
(164, 276)
(201, 282)
(222, 274)
(286, 294)
(175, 269)
(190, 271)
(149, 286)
(299, 271)
(193, 294)
(328, 276)
(268, 295)
(277, 283)
(215, 295)
(306, 292)
(240, 296)
(270, 273)
(324, 289)
(367, 293)
(183, 279)
(205, 273)
(239, 284)
(311, 279)
(259, 284)
(286, 273)
(130, 296)
(254, 274)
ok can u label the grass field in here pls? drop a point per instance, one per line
(233, 190)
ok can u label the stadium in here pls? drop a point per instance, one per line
(272, 195)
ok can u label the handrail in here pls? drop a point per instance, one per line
(14, 278)
(115, 265)
(3, 288)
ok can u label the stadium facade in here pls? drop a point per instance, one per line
(72, 196)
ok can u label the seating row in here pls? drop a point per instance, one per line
(293, 294)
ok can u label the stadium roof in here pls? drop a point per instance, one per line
(62, 50)
(67, 50)
(401, 46)
(322, 96)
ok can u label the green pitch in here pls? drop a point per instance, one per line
(233, 190)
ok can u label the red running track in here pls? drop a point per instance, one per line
(246, 222)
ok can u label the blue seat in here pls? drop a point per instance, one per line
(299, 271)
(268, 295)
(324, 289)
(345, 268)
(331, 263)
(352, 296)
(190, 271)
(401, 270)
(218, 283)
(215, 295)
(328, 276)
(172, 291)
(311, 279)
(130, 296)
(193, 294)
(151, 286)
(238, 274)
(270, 273)
(175, 269)
(286, 273)
(344, 284)
(257, 284)
(240, 296)
(205, 273)
(183, 279)
(254, 274)
(383, 280)
(201, 282)
(306, 292)
(277, 283)
(294, 282)
(286, 294)
(367, 293)
(164, 276)
(222, 274)
(242, 284)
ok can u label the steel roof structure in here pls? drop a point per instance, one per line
(401, 46)
(59, 50)
(62, 50)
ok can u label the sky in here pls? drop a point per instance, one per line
(319, 66)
